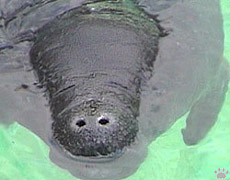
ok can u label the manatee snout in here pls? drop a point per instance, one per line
(99, 131)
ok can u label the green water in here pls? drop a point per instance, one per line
(23, 156)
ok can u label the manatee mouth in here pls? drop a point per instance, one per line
(96, 132)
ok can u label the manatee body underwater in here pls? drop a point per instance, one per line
(116, 77)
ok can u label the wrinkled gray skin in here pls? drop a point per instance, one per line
(188, 74)
(93, 69)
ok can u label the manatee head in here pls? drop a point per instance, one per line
(119, 49)
(95, 129)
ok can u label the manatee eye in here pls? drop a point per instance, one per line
(103, 121)
(80, 123)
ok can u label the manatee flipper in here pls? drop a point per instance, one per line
(204, 112)
(182, 70)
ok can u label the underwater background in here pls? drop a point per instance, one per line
(23, 156)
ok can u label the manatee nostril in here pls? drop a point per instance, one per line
(103, 121)
(80, 123)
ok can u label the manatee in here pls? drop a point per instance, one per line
(93, 68)
(110, 77)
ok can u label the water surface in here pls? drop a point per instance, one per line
(25, 155)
